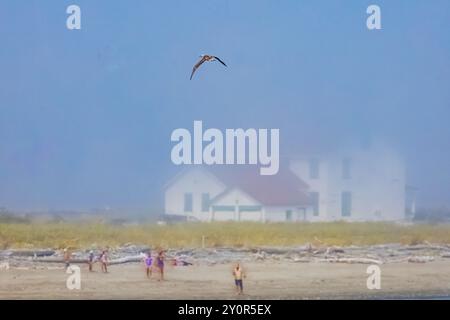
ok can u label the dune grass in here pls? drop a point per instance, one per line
(243, 234)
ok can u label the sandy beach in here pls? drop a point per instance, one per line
(265, 280)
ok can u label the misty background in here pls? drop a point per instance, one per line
(86, 115)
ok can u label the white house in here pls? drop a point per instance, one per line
(354, 184)
(237, 193)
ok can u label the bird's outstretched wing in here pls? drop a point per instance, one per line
(198, 64)
(218, 59)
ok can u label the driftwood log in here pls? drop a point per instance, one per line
(303, 260)
(420, 259)
(28, 253)
(110, 262)
(352, 260)
(59, 260)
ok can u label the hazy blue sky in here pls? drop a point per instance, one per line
(86, 116)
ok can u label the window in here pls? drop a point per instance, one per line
(205, 202)
(346, 204)
(314, 169)
(288, 215)
(188, 202)
(346, 169)
(315, 202)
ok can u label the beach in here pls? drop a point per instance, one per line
(265, 280)
(282, 261)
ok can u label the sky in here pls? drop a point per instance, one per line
(86, 115)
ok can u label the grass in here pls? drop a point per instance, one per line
(243, 234)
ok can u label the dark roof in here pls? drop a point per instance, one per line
(282, 189)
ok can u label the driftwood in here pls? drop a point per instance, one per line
(110, 262)
(59, 260)
(377, 254)
(319, 251)
(260, 256)
(387, 246)
(28, 253)
(398, 260)
(421, 259)
(274, 250)
(417, 247)
(303, 260)
(331, 250)
(360, 260)
(351, 260)
(281, 250)
(307, 247)
(125, 260)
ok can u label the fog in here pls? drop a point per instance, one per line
(86, 115)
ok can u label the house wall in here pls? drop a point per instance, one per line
(377, 184)
(279, 214)
(237, 198)
(195, 181)
(232, 216)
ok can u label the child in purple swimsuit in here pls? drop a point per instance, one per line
(148, 264)
(160, 264)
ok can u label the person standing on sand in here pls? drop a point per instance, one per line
(66, 257)
(148, 264)
(160, 264)
(239, 275)
(91, 260)
(104, 261)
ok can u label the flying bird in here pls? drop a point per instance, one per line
(205, 57)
